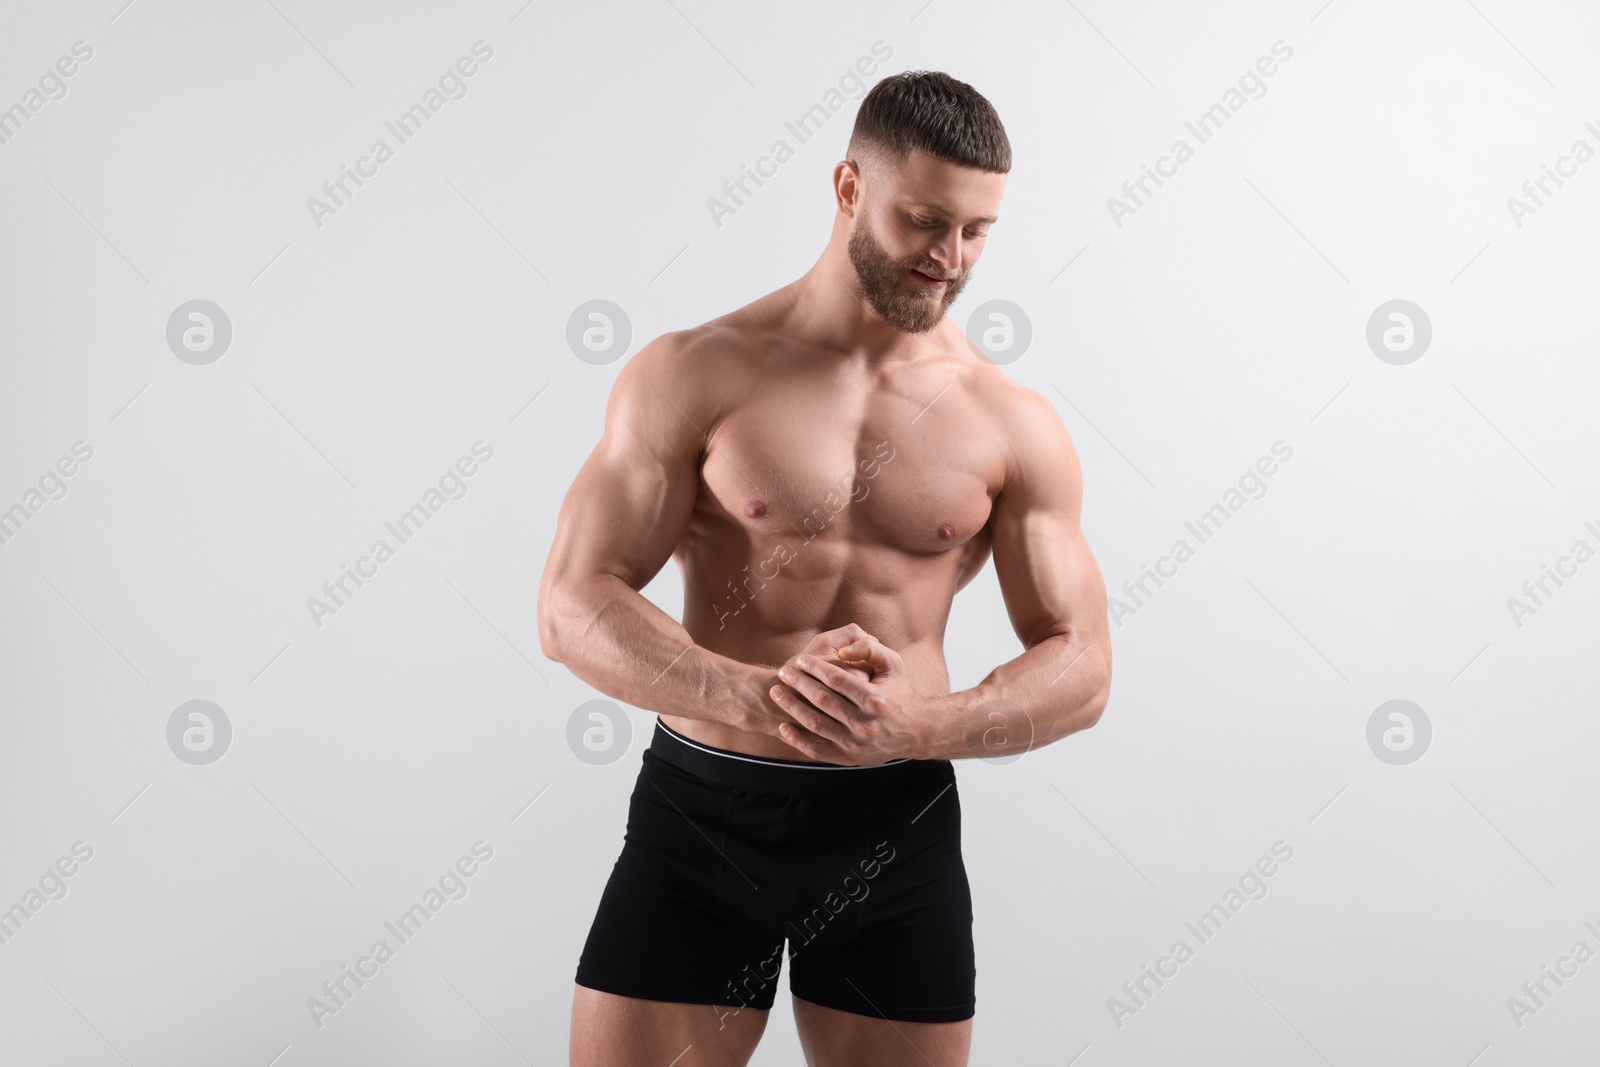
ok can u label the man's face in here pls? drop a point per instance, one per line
(918, 232)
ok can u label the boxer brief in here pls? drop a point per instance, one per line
(729, 859)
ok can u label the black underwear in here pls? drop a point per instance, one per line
(729, 857)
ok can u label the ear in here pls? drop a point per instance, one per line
(847, 188)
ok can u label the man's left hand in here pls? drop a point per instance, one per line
(848, 719)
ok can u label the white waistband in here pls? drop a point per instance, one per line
(799, 766)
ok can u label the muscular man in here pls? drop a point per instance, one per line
(828, 465)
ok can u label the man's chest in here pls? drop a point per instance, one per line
(868, 469)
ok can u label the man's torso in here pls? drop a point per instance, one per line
(833, 490)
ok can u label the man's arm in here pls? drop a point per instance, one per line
(622, 517)
(1056, 599)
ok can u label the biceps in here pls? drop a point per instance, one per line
(1048, 576)
(625, 513)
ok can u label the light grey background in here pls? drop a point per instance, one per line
(1227, 313)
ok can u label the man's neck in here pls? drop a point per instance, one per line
(827, 308)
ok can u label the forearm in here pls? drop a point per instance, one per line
(1056, 688)
(616, 640)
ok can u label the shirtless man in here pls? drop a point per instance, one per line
(828, 466)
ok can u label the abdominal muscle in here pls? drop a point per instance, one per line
(905, 610)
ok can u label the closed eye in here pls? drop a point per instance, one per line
(927, 224)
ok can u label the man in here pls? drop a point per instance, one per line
(828, 465)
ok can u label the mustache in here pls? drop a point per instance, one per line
(935, 272)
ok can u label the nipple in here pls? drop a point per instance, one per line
(755, 508)
(946, 531)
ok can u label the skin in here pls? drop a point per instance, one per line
(828, 466)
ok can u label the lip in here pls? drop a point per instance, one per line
(929, 280)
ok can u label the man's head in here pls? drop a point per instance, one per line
(921, 185)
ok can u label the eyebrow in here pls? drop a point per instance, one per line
(934, 205)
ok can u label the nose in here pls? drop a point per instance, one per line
(946, 253)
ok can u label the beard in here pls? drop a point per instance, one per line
(881, 279)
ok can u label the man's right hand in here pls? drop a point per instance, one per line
(764, 714)
(823, 647)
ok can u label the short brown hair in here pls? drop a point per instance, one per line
(933, 112)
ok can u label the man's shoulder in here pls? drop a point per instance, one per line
(700, 373)
(1024, 421)
(1010, 403)
(712, 350)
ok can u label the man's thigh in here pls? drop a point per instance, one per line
(844, 1039)
(614, 1031)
